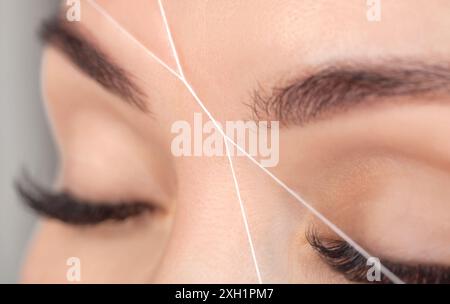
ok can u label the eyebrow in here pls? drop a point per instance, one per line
(92, 61)
(340, 87)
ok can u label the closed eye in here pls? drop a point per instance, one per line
(69, 209)
(344, 259)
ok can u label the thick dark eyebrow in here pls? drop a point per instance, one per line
(92, 61)
(340, 87)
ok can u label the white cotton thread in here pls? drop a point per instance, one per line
(391, 276)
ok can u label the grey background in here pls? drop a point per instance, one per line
(24, 135)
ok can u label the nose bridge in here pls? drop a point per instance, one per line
(208, 243)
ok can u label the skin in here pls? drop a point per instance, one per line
(379, 173)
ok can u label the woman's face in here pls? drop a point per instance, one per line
(362, 107)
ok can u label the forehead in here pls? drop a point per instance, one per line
(307, 29)
(237, 45)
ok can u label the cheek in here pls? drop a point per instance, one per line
(45, 260)
(113, 253)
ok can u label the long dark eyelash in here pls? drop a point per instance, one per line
(71, 210)
(343, 258)
(339, 255)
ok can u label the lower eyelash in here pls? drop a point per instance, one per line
(67, 208)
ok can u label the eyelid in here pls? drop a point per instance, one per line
(343, 258)
(71, 210)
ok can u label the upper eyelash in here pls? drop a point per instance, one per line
(342, 257)
(71, 210)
